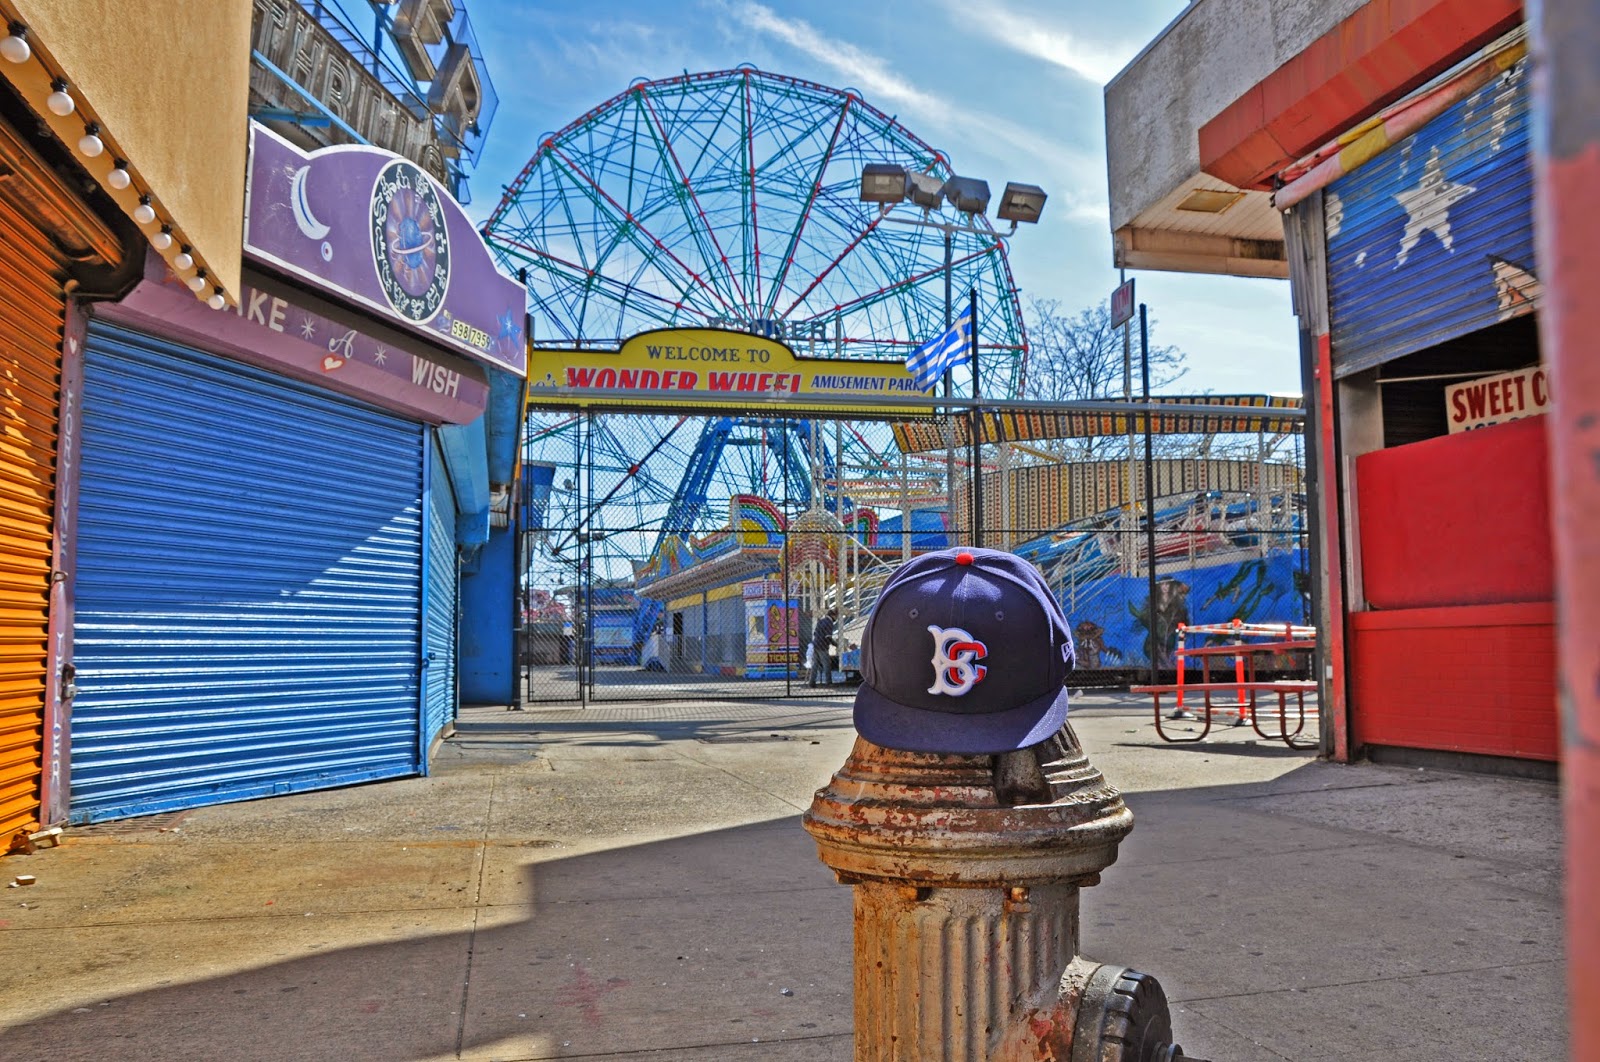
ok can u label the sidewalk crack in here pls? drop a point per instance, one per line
(477, 901)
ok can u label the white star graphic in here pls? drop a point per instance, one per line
(307, 329)
(381, 355)
(1427, 207)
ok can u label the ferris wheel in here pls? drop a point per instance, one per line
(730, 199)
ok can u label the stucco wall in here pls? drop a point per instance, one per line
(168, 81)
(1203, 61)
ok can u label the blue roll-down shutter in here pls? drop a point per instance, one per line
(1434, 238)
(248, 584)
(439, 605)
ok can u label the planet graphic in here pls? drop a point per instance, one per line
(415, 242)
(409, 238)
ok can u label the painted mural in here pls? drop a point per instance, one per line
(1218, 558)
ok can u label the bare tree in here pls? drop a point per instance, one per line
(1075, 357)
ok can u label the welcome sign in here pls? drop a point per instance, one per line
(713, 368)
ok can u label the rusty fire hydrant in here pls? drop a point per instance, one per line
(967, 865)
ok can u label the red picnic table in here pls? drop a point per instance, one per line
(1246, 649)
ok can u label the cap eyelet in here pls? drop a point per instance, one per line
(999, 615)
(912, 613)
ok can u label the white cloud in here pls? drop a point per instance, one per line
(1025, 33)
(1083, 172)
(861, 69)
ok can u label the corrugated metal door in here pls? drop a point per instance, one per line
(1434, 239)
(440, 606)
(249, 574)
(32, 317)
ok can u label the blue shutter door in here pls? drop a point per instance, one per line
(1434, 239)
(439, 638)
(248, 584)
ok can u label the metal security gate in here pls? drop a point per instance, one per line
(440, 607)
(248, 584)
(32, 313)
(1434, 238)
(690, 557)
(49, 233)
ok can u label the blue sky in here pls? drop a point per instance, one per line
(1009, 89)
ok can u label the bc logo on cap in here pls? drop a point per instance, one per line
(954, 651)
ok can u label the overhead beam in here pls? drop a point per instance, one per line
(1374, 57)
(1175, 251)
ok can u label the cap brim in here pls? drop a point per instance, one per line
(895, 726)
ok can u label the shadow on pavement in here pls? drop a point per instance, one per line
(1299, 918)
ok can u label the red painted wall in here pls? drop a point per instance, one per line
(1459, 652)
(1479, 679)
(1457, 520)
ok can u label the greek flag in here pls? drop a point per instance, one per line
(950, 348)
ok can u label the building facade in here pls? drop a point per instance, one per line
(95, 141)
(261, 407)
(1389, 140)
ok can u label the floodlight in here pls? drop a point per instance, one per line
(968, 194)
(1021, 202)
(925, 190)
(883, 182)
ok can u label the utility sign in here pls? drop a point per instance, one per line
(1122, 303)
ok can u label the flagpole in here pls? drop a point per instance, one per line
(975, 418)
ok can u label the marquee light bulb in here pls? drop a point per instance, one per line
(197, 283)
(59, 102)
(90, 143)
(163, 239)
(144, 213)
(182, 260)
(118, 178)
(15, 47)
(216, 302)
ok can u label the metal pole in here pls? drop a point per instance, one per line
(973, 422)
(905, 509)
(1127, 396)
(838, 510)
(949, 429)
(1149, 491)
(580, 630)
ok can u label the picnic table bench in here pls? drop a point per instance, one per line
(1245, 686)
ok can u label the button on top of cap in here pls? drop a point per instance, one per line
(963, 558)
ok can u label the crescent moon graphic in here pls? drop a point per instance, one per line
(307, 222)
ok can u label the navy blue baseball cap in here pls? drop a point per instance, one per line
(967, 652)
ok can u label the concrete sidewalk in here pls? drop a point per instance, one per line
(633, 883)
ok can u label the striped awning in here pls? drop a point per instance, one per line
(1234, 413)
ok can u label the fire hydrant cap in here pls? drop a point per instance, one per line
(966, 652)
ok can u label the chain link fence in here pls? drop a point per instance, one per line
(674, 556)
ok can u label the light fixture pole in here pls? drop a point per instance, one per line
(887, 185)
(949, 387)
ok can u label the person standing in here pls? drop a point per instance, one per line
(822, 648)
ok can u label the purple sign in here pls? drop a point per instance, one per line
(273, 333)
(372, 229)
